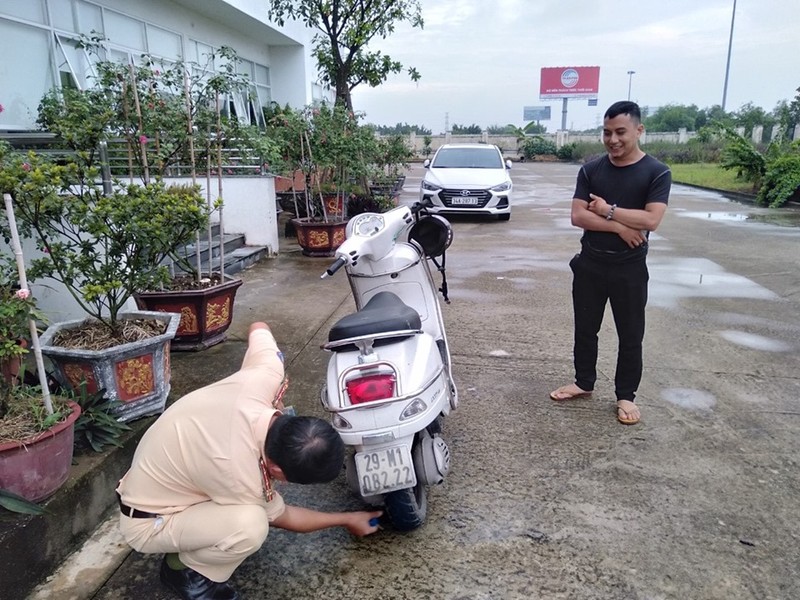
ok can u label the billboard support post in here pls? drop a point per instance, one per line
(564, 113)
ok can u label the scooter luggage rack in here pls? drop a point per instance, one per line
(365, 342)
(377, 403)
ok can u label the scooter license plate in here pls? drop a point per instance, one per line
(385, 470)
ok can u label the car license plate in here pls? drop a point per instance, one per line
(385, 470)
(464, 201)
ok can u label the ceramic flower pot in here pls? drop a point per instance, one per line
(205, 313)
(319, 238)
(36, 467)
(136, 374)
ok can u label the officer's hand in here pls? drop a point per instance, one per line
(363, 523)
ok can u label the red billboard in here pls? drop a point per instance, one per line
(569, 82)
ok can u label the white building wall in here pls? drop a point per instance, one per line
(240, 24)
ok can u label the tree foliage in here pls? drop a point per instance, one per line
(466, 129)
(346, 28)
(672, 117)
(401, 129)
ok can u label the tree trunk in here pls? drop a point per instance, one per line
(343, 93)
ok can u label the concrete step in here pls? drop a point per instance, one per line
(238, 256)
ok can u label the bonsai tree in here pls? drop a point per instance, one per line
(101, 246)
(332, 151)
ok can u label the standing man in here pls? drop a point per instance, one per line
(200, 488)
(619, 199)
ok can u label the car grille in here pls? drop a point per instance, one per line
(447, 196)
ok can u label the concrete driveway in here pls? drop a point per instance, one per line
(558, 500)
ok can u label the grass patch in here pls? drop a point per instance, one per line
(710, 175)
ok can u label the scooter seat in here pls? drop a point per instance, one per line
(384, 313)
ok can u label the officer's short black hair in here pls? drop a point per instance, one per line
(307, 449)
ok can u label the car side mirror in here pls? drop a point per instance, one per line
(508, 163)
(426, 163)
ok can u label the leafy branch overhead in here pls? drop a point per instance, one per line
(346, 28)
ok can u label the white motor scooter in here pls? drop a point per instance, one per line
(389, 379)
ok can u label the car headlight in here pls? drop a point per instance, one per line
(430, 187)
(503, 187)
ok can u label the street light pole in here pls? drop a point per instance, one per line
(728, 63)
(630, 81)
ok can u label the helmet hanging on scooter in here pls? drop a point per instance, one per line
(433, 233)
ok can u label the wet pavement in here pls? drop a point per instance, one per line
(558, 500)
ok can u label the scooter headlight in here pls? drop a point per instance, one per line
(366, 225)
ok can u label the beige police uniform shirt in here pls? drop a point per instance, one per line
(207, 445)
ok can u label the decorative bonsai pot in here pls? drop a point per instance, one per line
(317, 238)
(205, 314)
(136, 374)
(36, 467)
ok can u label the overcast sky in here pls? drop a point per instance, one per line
(480, 60)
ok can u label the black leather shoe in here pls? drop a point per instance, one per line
(191, 585)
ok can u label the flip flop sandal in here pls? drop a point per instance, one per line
(558, 395)
(623, 416)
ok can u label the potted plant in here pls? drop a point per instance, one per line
(203, 298)
(168, 117)
(36, 432)
(102, 243)
(392, 156)
(332, 150)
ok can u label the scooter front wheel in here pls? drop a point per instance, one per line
(407, 508)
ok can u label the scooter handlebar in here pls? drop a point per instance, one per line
(337, 264)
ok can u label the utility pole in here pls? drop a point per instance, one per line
(630, 81)
(728, 63)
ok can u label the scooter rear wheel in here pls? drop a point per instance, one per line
(407, 508)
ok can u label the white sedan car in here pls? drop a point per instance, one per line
(468, 179)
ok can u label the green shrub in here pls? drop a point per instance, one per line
(586, 151)
(781, 181)
(536, 145)
(566, 152)
(740, 155)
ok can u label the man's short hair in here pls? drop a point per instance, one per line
(624, 107)
(307, 449)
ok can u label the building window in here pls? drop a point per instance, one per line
(32, 76)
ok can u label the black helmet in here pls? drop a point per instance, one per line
(433, 233)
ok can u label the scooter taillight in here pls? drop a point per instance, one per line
(370, 388)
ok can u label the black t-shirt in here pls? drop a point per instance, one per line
(632, 186)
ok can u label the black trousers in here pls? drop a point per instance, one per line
(625, 285)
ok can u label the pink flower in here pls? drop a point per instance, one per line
(23, 294)
(142, 139)
(26, 167)
(2, 108)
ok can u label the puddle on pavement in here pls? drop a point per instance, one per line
(783, 218)
(689, 398)
(674, 279)
(756, 342)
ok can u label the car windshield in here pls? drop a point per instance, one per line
(467, 158)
